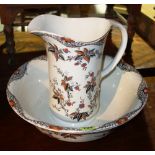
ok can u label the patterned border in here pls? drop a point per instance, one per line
(68, 42)
(14, 103)
(126, 67)
(22, 70)
(19, 73)
(142, 95)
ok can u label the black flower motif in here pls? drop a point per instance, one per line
(79, 116)
(57, 53)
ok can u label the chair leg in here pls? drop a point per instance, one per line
(22, 21)
(10, 44)
(133, 10)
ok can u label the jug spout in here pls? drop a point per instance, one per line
(37, 26)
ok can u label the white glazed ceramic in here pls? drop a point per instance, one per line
(123, 96)
(75, 49)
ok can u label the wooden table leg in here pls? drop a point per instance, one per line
(133, 11)
(8, 15)
(10, 44)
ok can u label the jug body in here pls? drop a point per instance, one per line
(74, 73)
(75, 49)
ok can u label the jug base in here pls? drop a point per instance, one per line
(74, 121)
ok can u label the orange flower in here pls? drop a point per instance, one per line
(11, 103)
(83, 54)
(122, 120)
(67, 40)
(145, 90)
(58, 128)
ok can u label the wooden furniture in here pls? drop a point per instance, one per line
(136, 22)
(133, 12)
(8, 14)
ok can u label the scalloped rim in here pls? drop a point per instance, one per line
(82, 130)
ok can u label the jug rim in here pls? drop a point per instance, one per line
(39, 32)
(70, 41)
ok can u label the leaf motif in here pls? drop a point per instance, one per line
(62, 82)
(77, 63)
(55, 47)
(81, 53)
(73, 114)
(92, 55)
(72, 136)
(88, 88)
(70, 88)
(84, 65)
(69, 78)
(84, 115)
(51, 48)
(85, 50)
(58, 100)
(79, 116)
(55, 97)
(78, 57)
(92, 50)
(77, 88)
(66, 86)
(91, 74)
(61, 56)
(87, 58)
(68, 40)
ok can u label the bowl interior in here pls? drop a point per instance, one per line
(118, 95)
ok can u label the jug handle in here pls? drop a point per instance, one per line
(121, 49)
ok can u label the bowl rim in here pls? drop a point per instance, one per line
(15, 105)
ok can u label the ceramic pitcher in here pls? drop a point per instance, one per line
(75, 54)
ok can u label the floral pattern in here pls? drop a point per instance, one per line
(142, 91)
(14, 103)
(122, 120)
(81, 57)
(74, 137)
(58, 53)
(68, 42)
(124, 66)
(91, 83)
(142, 95)
(19, 73)
(67, 85)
